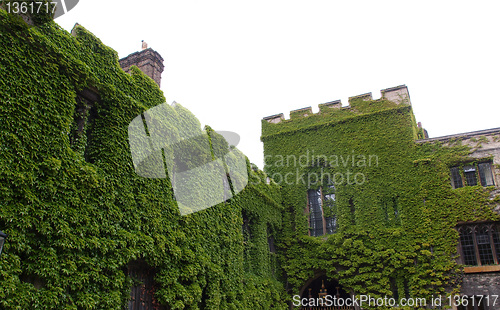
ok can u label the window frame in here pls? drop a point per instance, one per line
(313, 230)
(459, 177)
(329, 223)
(477, 251)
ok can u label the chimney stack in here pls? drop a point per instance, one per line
(148, 61)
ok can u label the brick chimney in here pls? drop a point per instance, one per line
(148, 61)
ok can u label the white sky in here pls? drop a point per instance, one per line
(234, 62)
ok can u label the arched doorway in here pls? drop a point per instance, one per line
(319, 287)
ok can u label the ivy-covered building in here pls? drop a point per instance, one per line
(374, 208)
(85, 230)
(354, 201)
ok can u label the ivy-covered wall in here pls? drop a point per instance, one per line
(77, 213)
(396, 213)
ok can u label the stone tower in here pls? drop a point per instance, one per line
(148, 61)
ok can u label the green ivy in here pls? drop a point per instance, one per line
(374, 244)
(77, 213)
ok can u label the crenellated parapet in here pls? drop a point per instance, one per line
(274, 119)
(364, 97)
(326, 107)
(301, 112)
(398, 95)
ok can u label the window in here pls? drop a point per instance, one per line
(472, 174)
(321, 203)
(480, 244)
(273, 260)
(247, 241)
(329, 202)
(394, 288)
(83, 122)
(142, 294)
(270, 240)
(245, 228)
(392, 212)
(315, 212)
(486, 174)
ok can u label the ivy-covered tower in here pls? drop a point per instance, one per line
(369, 209)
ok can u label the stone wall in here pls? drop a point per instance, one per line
(481, 284)
(484, 144)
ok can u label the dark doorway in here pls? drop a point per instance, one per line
(142, 295)
(322, 286)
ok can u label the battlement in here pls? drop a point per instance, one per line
(364, 97)
(324, 107)
(274, 119)
(398, 95)
(301, 112)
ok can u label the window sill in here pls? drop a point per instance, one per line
(478, 269)
(475, 186)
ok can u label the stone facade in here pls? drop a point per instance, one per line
(484, 144)
(481, 284)
(480, 280)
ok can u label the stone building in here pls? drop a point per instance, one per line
(356, 203)
(478, 246)
(439, 196)
(86, 231)
(479, 243)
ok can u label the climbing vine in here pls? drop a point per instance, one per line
(396, 214)
(76, 211)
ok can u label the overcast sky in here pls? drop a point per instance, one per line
(234, 62)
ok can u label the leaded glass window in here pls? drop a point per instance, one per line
(315, 212)
(484, 248)
(486, 174)
(467, 242)
(322, 210)
(456, 178)
(472, 175)
(480, 243)
(329, 202)
(496, 240)
(331, 224)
